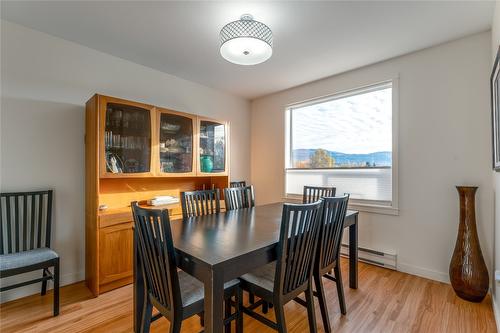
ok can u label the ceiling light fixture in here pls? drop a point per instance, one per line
(246, 41)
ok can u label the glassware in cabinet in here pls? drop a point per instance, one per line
(127, 139)
(212, 146)
(175, 143)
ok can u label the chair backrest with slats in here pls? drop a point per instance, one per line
(157, 256)
(314, 193)
(297, 247)
(239, 197)
(198, 203)
(241, 183)
(25, 221)
(332, 226)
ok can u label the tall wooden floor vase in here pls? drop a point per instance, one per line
(468, 273)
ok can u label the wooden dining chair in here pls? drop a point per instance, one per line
(25, 232)
(291, 274)
(198, 203)
(239, 197)
(314, 193)
(240, 183)
(328, 254)
(174, 293)
(242, 197)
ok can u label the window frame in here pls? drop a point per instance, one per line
(372, 206)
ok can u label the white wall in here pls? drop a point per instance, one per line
(495, 42)
(444, 140)
(45, 84)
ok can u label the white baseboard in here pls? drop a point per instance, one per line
(496, 311)
(390, 260)
(13, 294)
(424, 272)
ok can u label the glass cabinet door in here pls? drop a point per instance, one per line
(176, 143)
(127, 139)
(212, 147)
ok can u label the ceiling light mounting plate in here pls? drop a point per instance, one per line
(246, 17)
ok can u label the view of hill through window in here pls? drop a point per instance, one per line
(348, 132)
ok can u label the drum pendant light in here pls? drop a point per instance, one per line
(246, 41)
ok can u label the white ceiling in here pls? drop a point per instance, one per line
(312, 40)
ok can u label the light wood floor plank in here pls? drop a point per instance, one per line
(386, 301)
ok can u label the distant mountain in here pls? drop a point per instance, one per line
(379, 158)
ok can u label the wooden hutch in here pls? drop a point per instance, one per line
(135, 151)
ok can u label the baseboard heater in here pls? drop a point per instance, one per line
(373, 257)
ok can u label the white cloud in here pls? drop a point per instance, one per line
(356, 125)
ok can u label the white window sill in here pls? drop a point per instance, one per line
(359, 206)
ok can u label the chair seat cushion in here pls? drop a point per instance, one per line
(262, 277)
(26, 258)
(192, 290)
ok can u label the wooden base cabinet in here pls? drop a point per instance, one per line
(134, 152)
(115, 248)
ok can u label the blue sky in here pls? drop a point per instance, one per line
(357, 124)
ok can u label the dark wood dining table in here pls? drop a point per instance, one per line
(218, 248)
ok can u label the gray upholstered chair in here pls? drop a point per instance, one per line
(290, 275)
(201, 202)
(174, 293)
(314, 193)
(239, 197)
(240, 183)
(25, 231)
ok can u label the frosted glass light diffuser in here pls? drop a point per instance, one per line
(246, 42)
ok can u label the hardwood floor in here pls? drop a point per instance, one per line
(386, 301)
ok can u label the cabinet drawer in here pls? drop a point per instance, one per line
(109, 220)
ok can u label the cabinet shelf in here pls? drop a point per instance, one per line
(124, 148)
(174, 152)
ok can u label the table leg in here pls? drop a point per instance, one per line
(214, 303)
(139, 291)
(353, 254)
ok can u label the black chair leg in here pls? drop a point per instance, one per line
(340, 289)
(56, 287)
(265, 307)
(175, 326)
(251, 298)
(322, 302)
(239, 320)
(310, 309)
(202, 319)
(227, 306)
(146, 317)
(279, 312)
(44, 283)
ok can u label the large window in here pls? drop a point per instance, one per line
(346, 141)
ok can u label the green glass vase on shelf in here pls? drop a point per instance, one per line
(206, 163)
